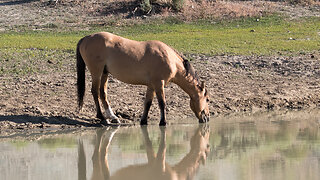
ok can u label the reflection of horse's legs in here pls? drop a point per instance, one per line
(96, 162)
(106, 140)
(159, 160)
(95, 93)
(148, 144)
(99, 157)
(82, 170)
(97, 145)
(161, 155)
(147, 104)
(162, 102)
(103, 97)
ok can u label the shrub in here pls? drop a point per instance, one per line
(146, 6)
(204, 9)
(178, 4)
(302, 2)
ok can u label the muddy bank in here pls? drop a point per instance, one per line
(236, 84)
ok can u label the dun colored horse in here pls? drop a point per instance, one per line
(150, 63)
(156, 166)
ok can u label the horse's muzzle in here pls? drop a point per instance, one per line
(204, 117)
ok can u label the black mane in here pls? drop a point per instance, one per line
(190, 70)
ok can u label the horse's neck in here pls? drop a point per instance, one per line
(186, 83)
(188, 166)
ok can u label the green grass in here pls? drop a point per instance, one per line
(22, 62)
(272, 35)
(39, 40)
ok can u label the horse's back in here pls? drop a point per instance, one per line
(130, 61)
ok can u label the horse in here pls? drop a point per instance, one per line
(150, 63)
(156, 166)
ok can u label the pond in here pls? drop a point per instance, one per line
(266, 146)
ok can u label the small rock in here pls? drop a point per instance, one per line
(38, 110)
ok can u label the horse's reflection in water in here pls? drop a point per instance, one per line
(156, 168)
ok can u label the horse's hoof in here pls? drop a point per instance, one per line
(101, 117)
(143, 123)
(115, 121)
(162, 123)
(105, 123)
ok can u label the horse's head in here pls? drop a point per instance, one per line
(199, 142)
(199, 104)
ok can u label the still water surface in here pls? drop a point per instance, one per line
(227, 149)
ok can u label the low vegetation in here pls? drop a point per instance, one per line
(260, 36)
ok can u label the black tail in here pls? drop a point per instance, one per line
(81, 76)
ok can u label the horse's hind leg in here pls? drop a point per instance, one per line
(103, 97)
(95, 93)
(147, 105)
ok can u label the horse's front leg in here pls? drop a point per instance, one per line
(147, 105)
(162, 103)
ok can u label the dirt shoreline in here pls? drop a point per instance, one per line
(237, 84)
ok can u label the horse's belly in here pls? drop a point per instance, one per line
(130, 77)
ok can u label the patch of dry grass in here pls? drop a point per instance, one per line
(189, 10)
(204, 9)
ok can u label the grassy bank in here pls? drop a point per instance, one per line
(266, 36)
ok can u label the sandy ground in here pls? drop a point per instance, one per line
(237, 84)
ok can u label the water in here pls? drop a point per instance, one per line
(270, 146)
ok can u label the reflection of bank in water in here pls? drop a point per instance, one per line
(156, 167)
(270, 145)
(275, 145)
